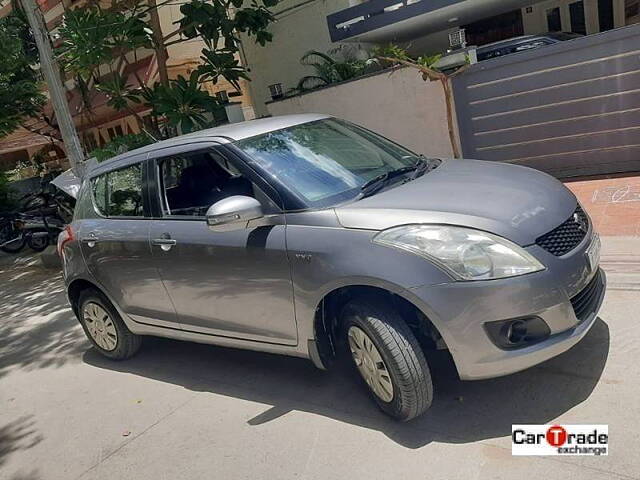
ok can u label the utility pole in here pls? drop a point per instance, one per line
(158, 40)
(57, 93)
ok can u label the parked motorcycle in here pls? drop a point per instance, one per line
(49, 200)
(41, 217)
(18, 230)
(40, 232)
(12, 239)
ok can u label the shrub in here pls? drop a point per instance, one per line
(120, 145)
(7, 198)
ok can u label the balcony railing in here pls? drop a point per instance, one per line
(374, 14)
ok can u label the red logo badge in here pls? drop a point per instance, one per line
(556, 436)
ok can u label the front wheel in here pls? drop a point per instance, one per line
(388, 357)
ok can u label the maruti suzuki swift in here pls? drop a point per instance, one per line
(309, 236)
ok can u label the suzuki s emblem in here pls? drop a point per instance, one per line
(582, 224)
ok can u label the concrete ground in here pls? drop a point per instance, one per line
(186, 411)
(613, 202)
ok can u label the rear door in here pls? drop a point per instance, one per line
(115, 245)
(236, 283)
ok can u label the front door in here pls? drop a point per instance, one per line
(234, 284)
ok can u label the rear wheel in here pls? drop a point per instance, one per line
(14, 238)
(38, 243)
(104, 327)
(388, 357)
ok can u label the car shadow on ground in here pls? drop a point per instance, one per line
(461, 411)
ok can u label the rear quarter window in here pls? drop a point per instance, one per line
(119, 193)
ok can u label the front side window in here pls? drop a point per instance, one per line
(192, 183)
(327, 161)
(119, 193)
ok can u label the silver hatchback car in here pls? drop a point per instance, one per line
(306, 235)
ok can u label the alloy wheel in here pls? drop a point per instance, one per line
(370, 364)
(100, 326)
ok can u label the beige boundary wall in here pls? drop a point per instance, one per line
(398, 104)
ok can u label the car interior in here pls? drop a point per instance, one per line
(193, 183)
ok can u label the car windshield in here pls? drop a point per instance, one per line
(328, 161)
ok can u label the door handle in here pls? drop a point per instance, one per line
(164, 243)
(90, 240)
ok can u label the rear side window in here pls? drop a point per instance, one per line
(119, 193)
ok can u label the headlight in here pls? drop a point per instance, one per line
(465, 253)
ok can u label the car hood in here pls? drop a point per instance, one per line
(514, 202)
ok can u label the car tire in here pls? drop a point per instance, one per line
(402, 357)
(15, 246)
(104, 327)
(38, 244)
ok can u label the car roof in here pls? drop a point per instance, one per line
(222, 134)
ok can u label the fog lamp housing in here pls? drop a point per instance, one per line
(517, 332)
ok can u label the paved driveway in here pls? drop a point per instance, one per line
(186, 411)
(612, 201)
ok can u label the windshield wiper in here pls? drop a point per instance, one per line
(421, 166)
(376, 183)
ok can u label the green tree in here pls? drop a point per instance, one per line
(20, 83)
(97, 40)
(184, 104)
(336, 66)
(120, 145)
(7, 197)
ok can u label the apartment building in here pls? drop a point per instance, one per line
(102, 123)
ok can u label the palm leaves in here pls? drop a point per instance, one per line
(221, 63)
(118, 93)
(184, 104)
(330, 70)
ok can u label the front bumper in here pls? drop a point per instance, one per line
(460, 310)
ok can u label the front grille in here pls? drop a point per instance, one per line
(567, 236)
(585, 301)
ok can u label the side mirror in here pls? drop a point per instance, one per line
(233, 213)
